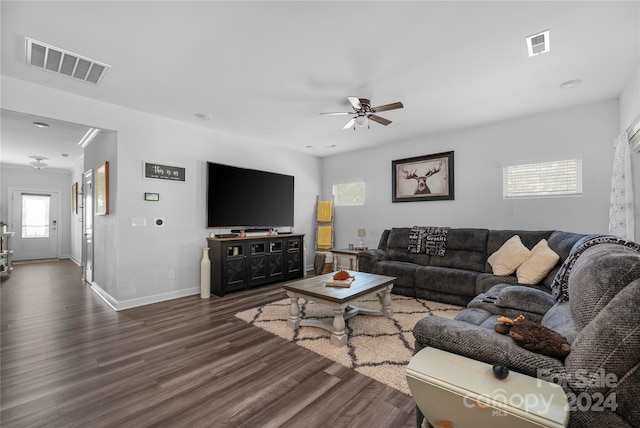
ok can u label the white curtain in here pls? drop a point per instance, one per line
(621, 222)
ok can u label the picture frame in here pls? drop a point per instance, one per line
(102, 189)
(74, 198)
(423, 178)
(156, 171)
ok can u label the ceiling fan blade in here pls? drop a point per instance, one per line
(386, 107)
(350, 123)
(338, 113)
(355, 102)
(380, 120)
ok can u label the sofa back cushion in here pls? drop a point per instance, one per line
(597, 276)
(562, 243)
(604, 356)
(398, 244)
(497, 238)
(465, 249)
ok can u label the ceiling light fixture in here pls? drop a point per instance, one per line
(41, 124)
(362, 121)
(38, 164)
(571, 83)
(538, 43)
(88, 137)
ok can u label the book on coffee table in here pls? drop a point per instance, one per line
(342, 283)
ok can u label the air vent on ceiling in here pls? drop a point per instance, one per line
(51, 58)
(538, 43)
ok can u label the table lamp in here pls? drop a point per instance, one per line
(361, 234)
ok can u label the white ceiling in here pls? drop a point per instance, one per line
(265, 70)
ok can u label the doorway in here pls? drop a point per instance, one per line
(34, 216)
(87, 228)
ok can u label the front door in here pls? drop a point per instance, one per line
(35, 223)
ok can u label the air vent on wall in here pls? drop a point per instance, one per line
(51, 58)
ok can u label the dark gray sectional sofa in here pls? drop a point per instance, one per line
(463, 272)
(597, 310)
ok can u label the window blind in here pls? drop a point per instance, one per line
(546, 178)
(349, 193)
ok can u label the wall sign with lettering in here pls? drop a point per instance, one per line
(164, 172)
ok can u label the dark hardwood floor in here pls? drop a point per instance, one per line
(68, 359)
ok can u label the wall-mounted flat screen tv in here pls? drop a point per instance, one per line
(248, 198)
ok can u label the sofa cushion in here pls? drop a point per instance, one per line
(404, 272)
(465, 249)
(608, 345)
(559, 319)
(525, 298)
(509, 256)
(597, 275)
(536, 267)
(446, 280)
(562, 243)
(398, 244)
(486, 281)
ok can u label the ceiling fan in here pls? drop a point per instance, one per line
(363, 112)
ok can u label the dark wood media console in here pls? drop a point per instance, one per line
(240, 263)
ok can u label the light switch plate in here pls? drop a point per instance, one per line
(138, 222)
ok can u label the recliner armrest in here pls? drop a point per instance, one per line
(369, 257)
(528, 299)
(484, 345)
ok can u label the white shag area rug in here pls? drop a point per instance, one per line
(377, 347)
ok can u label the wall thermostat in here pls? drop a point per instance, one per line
(158, 222)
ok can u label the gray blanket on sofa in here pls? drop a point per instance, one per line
(560, 285)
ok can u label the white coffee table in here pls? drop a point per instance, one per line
(341, 300)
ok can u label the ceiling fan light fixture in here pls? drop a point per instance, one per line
(362, 121)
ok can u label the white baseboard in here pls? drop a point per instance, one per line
(141, 301)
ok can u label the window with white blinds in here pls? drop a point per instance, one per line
(543, 178)
(349, 193)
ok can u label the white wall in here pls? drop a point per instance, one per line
(144, 256)
(629, 109)
(479, 152)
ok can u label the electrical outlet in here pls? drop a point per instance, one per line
(172, 274)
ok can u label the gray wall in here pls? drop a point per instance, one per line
(588, 130)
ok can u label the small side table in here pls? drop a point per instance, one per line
(452, 390)
(352, 255)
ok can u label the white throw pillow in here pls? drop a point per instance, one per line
(512, 254)
(536, 267)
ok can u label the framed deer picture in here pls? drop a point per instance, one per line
(423, 178)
